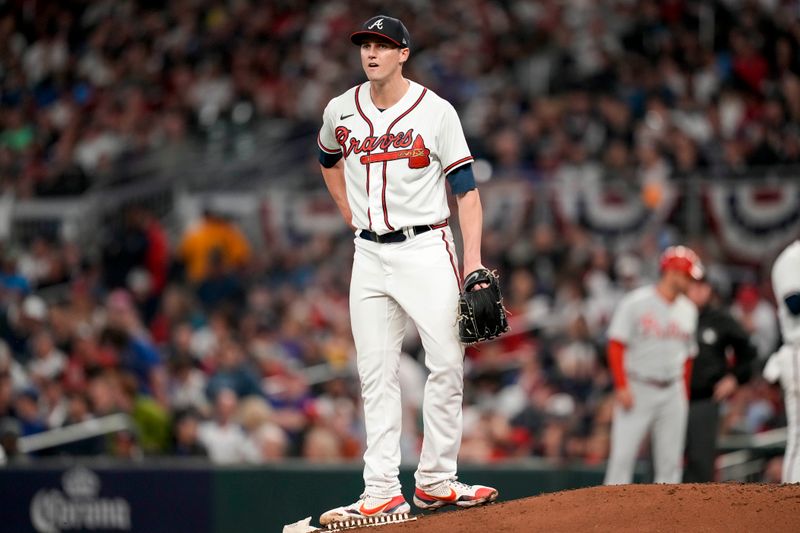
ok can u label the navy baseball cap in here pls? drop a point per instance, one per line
(388, 28)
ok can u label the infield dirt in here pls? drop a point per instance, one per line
(713, 507)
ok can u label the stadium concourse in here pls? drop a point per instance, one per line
(208, 340)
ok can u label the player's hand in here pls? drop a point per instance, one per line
(470, 268)
(725, 388)
(624, 398)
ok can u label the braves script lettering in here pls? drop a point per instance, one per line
(371, 143)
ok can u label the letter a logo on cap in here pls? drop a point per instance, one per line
(377, 24)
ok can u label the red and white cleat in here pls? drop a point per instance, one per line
(454, 493)
(365, 507)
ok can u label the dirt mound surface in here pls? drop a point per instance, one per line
(723, 507)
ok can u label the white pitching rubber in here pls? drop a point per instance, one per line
(370, 521)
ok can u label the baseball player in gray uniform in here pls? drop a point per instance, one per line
(387, 147)
(784, 365)
(650, 350)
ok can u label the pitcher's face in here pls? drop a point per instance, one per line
(381, 60)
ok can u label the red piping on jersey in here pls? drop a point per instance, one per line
(371, 134)
(452, 261)
(383, 190)
(460, 161)
(325, 148)
(383, 199)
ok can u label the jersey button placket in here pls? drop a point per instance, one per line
(377, 171)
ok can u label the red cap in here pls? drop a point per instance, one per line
(684, 260)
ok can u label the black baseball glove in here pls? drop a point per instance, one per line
(481, 315)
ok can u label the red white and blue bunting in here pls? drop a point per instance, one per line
(611, 211)
(755, 220)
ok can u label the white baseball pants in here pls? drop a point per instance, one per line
(791, 401)
(661, 411)
(417, 278)
(791, 457)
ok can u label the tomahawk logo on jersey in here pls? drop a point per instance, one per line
(417, 142)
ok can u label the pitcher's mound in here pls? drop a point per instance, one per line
(715, 507)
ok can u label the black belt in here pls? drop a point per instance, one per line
(399, 235)
(660, 383)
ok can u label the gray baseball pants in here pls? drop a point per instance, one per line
(660, 412)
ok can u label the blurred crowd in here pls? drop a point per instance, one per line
(218, 348)
(221, 349)
(637, 89)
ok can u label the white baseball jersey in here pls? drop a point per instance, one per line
(786, 281)
(396, 159)
(784, 365)
(658, 335)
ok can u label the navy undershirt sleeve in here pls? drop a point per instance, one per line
(461, 179)
(328, 160)
(793, 303)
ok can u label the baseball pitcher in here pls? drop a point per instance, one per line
(784, 365)
(386, 148)
(650, 350)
